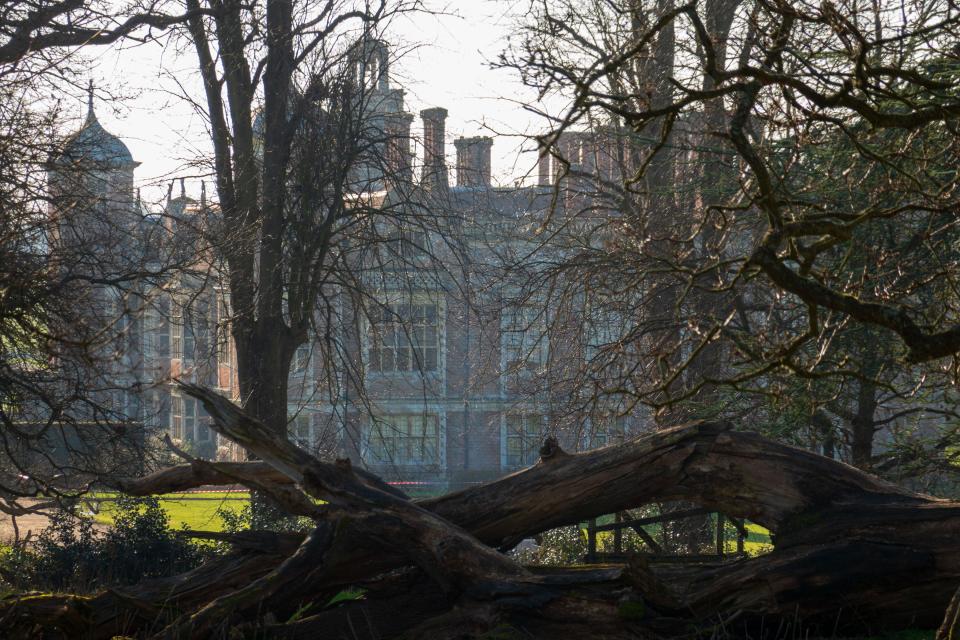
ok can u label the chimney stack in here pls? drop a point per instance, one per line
(434, 164)
(399, 171)
(543, 166)
(473, 161)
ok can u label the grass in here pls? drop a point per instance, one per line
(347, 595)
(196, 511)
(756, 543)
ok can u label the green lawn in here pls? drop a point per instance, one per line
(757, 542)
(197, 511)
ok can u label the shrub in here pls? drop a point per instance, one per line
(258, 515)
(70, 555)
(142, 545)
(566, 545)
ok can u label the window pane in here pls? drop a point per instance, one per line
(409, 439)
(411, 336)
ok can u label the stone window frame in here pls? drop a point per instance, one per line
(524, 333)
(408, 414)
(373, 356)
(301, 420)
(530, 441)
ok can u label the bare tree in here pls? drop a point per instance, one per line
(43, 30)
(764, 203)
(852, 552)
(75, 266)
(285, 171)
(890, 552)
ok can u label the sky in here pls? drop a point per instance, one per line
(446, 62)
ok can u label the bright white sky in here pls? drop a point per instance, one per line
(451, 69)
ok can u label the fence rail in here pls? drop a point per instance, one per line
(624, 520)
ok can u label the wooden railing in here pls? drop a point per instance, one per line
(624, 520)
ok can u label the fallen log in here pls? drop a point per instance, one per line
(595, 602)
(197, 474)
(950, 629)
(846, 524)
(359, 507)
(129, 610)
(852, 552)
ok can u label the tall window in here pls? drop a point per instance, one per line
(605, 327)
(118, 404)
(404, 337)
(411, 244)
(204, 432)
(301, 358)
(156, 333)
(524, 436)
(606, 431)
(157, 410)
(182, 341)
(524, 339)
(224, 354)
(176, 417)
(300, 431)
(407, 439)
(176, 331)
(119, 318)
(184, 417)
(189, 347)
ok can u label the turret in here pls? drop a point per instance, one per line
(388, 164)
(91, 186)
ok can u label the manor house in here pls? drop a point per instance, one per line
(452, 370)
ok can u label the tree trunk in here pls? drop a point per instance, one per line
(853, 553)
(950, 629)
(263, 375)
(863, 425)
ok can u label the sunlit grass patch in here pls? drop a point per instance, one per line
(757, 542)
(196, 511)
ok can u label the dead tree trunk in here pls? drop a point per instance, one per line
(950, 629)
(852, 552)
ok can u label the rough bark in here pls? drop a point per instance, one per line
(852, 551)
(833, 524)
(119, 612)
(197, 474)
(950, 629)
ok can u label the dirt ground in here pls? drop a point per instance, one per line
(34, 523)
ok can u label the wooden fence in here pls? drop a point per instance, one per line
(625, 520)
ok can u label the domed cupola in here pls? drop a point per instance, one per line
(91, 189)
(94, 145)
